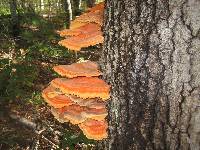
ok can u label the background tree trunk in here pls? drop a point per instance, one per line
(42, 5)
(90, 3)
(14, 18)
(76, 7)
(151, 58)
(68, 10)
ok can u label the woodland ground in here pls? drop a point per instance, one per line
(25, 69)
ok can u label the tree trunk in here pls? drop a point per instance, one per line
(151, 59)
(68, 10)
(80, 2)
(14, 18)
(42, 5)
(90, 3)
(76, 7)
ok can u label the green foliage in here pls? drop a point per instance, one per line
(42, 39)
(36, 98)
(4, 62)
(71, 140)
(17, 80)
(37, 43)
(28, 58)
(4, 27)
(4, 77)
(45, 51)
(4, 11)
(4, 8)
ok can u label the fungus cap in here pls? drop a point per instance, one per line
(94, 129)
(73, 113)
(85, 29)
(93, 16)
(84, 87)
(97, 114)
(76, 24)
(82, 40)
(87, 69)
(58, 101)
(89, 102)
(55, 112)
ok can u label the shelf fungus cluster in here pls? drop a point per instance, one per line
(79, 98)
(85, 30)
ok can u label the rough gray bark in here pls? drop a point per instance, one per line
(151, 58)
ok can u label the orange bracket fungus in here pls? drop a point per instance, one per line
(85, 30)
(94, 129)
(55, 112)
(97, 114)
(58, 100)
(73, 113)
(89, 102)
(94, 16)
(82, 40)
(87, 69)
(84, 87)
(79, 97)
(76, 24)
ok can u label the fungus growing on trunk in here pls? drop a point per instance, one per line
(73, 113)
(94, 129)
(55, 112)
(58, 101)
(87, 69)
(89, 102)
(51, 92)
(84, 87)
(97, 114)
(82, 40)
(76, 24)
(85, 29)
(81, 98)
(76, 114)
(94, 16)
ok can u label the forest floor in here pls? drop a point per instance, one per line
(25, 70)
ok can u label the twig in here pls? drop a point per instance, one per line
(24, 121)
(76, 56)
(50, 141)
